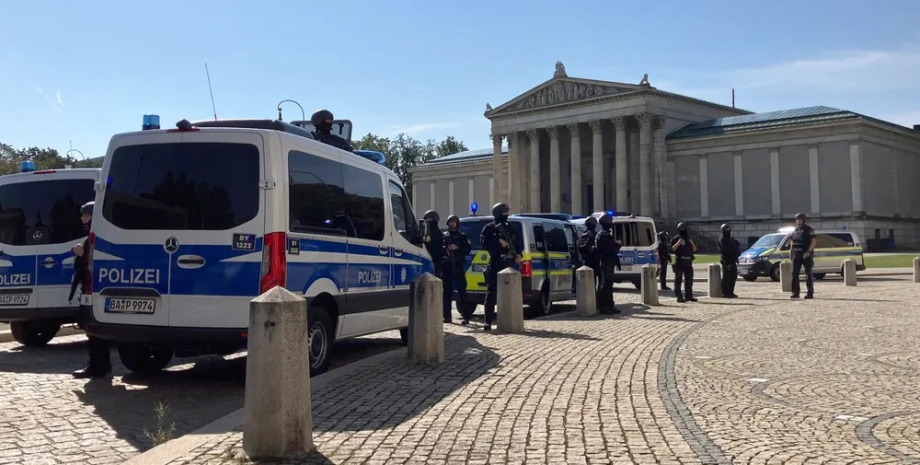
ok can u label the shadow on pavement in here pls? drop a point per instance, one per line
(55, 358)
(542, 334)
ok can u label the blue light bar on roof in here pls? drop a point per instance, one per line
(28, 165)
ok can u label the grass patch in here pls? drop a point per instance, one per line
(164, 429)
(890, 261)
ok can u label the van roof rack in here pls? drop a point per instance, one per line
(272, 124)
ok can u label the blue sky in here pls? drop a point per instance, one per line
(82, 71)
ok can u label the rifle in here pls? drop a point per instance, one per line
(512, 249)
(79, 266)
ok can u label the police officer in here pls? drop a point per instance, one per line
(608, 249)
(100, 364)
(505, 249)
(587, 247)
(730, 250)
(436, 245)
(683, 248)
(803, 248)
(664, 258)
(322, 122)
(457, 247)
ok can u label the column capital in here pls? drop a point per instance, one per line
(644, 119)
(533, 135)
(512, 138)
(553, 132)
(573, 128)
(499, 137)
(659, 121)
(595, 126)
(619, 122)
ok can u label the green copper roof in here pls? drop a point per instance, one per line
(764, 121)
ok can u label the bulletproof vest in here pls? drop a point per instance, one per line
(798, 238)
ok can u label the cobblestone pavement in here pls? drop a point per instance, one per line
(758, 380)
(47, 417)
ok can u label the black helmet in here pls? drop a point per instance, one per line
(591, 222)
(726, 227)
(500, 209)
(681, 226)
(320, 117)
(606, 220)
(663, 235)
(453, 218)
(87, 208)
(800, 216)
(432, 215)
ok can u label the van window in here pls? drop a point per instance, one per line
(317, 194)
(831, 241)
(403, 218)
(555, 237)
(364, 202)
(843, 239)
(192, 186)
(769, 241)
(635, 233)
(473, 229)
(45, 212)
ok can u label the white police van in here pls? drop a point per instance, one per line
(39, 224)
(639, 238)
(192, 223)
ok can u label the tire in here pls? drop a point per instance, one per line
(818, 275)
(34, 333)
(637, 283)
(322, 340)
(542, 306)
(774, 273)
(404, 336)
(140, 358)
(749, 279)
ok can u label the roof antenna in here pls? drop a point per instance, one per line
(733, 97)
(213, 107)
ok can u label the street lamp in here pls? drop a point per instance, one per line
(75, 150)
(302, 113)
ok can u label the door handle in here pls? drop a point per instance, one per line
(383, 249)
(398, 252)
(190, 262)
(48, 262)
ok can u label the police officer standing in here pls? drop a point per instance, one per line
(803, 248)
(458, 247)
(322, 121)
(608, 249)
(664, 259)
(100, 363)
(504, 247)
(436, 245)
(587, 247)
(683, 248)
(730, 250)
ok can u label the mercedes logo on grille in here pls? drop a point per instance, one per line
(171, 245)
(37, 236)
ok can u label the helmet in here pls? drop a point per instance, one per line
(87, 208)
(726, 227)
(452, 218)
(591, 222)
(606, 220)
(320, 116)
(500, 209)
(432, 215)
(663, 235)
(681, 226)
(800, 216)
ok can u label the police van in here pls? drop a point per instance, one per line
(39, 224)
(639, 239)
(833, 247)
(192, 223)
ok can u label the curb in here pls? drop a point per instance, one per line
(7, 336)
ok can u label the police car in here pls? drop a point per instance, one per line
(39, 224)
(194, 222)
(832, 248)
(640, 244)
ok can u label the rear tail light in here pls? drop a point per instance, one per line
(527, 268)
(44, 172)
(274, 262)
(88, 277)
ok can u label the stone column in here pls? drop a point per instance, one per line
(660, 203)
(555, 176)
(534, 187)
(646, 184)
(622, 168)
(514, 183)
(576, 183)
(497, 167)
(597, 165)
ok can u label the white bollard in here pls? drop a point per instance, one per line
(785, 276)
(715, 280)
(510, 302)
(277, 421)
(426, 320)
(586, 295)
(849, 272)
(648, 285)
(917, 269)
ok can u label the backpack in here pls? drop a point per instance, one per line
(586, 244)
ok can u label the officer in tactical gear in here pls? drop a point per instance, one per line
(608, 249)
(683, 248)
(803, 249)
(436, 245)
(457, 247)
(99, 364)
(587, 247)
(730, 250)
(322, 122)
(505, 249)
(664, 259)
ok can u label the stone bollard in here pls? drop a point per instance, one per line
(510, 302)
(426, 320)
(849, 272)
(648, 285)
(277, 417)
(785, 276)
(586, 295)
(715, 280)
(917, 269)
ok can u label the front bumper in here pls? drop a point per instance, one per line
(756, 269)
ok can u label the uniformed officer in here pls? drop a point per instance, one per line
(683, 248)
(664, 259)
(803, 248)
(322, 121)
(608, 249)
(100, 363)
(730, 250)
(436, 245)
(505, 249)
(457, 247)
(587, 247)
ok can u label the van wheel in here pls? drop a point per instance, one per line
(774, 273)
(140, 358)
(542, 306)
(33, 333)
(818, 275)
(321, 340)
(637, 283)
(404, 336)
(749, 279)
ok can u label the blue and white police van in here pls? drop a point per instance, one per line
(39, 224)
(192, 223)
(640, 244)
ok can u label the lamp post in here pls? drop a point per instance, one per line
(83, 157)
(302, 113)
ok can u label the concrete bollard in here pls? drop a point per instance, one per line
(426, 320)
(510, 302)
(648, 285)
(917, 269)
(586, 295)
(277, 417)
(849, 272)
(715, 280)
(785, 276)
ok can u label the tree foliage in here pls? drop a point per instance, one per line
(45, 159)
(404, 152)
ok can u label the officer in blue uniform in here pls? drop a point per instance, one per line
(436, 245)
(664, 259)
(608, 250)
(505, 251)
(803, 249)
(684, 249)
(100, 363)
(457, 246)
(587, 247)
(730, 250)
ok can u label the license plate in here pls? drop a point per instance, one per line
(130, 305)
(14, 299)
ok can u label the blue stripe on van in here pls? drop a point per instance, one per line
(20, 273)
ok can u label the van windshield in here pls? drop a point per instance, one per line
(768, 241)
(185, 186)
(473, 229)
(43, 212)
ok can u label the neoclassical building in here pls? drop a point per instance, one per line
(578, 145)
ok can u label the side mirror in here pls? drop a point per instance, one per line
(424, 232)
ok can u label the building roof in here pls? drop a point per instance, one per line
(464, 157)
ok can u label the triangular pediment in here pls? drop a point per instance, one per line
(564, 90)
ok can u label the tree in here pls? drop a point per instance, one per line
(45, 159)
(404, 152)
(450, 146)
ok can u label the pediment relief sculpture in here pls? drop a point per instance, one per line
(564, 92)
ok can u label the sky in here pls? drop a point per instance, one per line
(79, 72)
